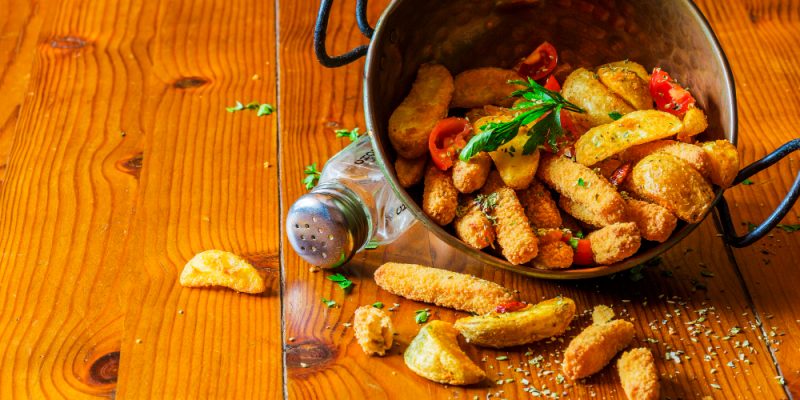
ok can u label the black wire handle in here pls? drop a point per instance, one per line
(321, 33)
(729, 231)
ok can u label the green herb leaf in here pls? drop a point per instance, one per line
(238, 107)
(615, 115)
(351, 134)
(261, 109)
(265, 109)
(312, 176)
(501, 358)
(421, 316)
(487, 203)
(377, 305)
(371, 246)
(581, 182)
(329, 303)
(747, 182)
(751, 226)
(580, 235)
(573, 242)
(342, 281)
(790, 228)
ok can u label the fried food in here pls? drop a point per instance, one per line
(435, 354)
(607, 167)
(540, 208)
(373, 330)
(439, 197)
(516, 169)
(724, 162)
(694, 123)
(628, 80)
(586, 215)
(584, 89)
(615, 242)
(441, 287)
(472, 226)
(602, 314)
(655, 223)
(638, 127)
(481, 86)
(694, 155)
(410, 171)
(518, 243)
(638, 375)
(554, 255)
(413, 120)
(493, 183)
(534, 322)
(594, 348)
(221, 268)
(672, 183)
(582, 185)
(469, 176)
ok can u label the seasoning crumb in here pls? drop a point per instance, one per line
(303, 365)
(291, 339)
(180, 312)
(255, 77)
(123, 133)
(347, 324)
(138, 341)
(314, 269)
(267, 164)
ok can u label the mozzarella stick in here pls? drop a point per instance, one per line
(518, 243)
(594, 348)
(483, 86)
(440, 197)
(615, 243)
(638, 375)
(472, 226)
(655, 223)
(554, 255)
(409, 171)
(540, 208)
(469, 176)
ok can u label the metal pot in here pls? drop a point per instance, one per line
(476, 33)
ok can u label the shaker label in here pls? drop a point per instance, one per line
(368, 157)
(399, 210)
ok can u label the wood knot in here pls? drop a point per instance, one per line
(133, 165)
(308, 354)
(189, 82)
(105, 369)
(67, 42)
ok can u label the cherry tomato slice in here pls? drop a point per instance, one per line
(540, 63)
(447, 138)
(511, 306)
(669, 95)
(620, 174)
(583, 253)
(552, 84)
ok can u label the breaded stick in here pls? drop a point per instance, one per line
(441, 287)
(440, 197)
(373, 330)
(582, 185)
(483, 86)
(694, 123)
(554, 255)
(615, 242)
(469, 176)
(540, 208)
(655, 223)
(593, 348)
(584, 214)
(410, 171)
(518, 243)
(472, 226)
(638, 375)
(413, 120)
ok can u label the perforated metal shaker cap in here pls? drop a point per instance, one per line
(327, 226)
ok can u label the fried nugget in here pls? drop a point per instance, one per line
(469, 176)
(628, 80)
(693, 155)
(472, 226)
(583, 88)
(482, 86)
(655, 223)
(638, 375)
(413, 120)
(518, 243)
(540, 208)
(582, 185)
(615, 242)
(554, 255)
(373, 329)
(443, 288)
(410, 171)
(440, 197)
(594, 348)
(724, 161)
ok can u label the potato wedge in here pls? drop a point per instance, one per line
(638, 375)
(694, 155)
(672, 183)
(483, 86)
(434, 354)
(635, 128)
(534, 322)
(694, 123)
(583, 88)
(222, 268)
(516, 169)
(723, 160)
(628, 80)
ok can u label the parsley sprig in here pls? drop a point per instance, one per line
(538, 102)
(261, 109)
(312, 176)
(421, 316)
(352, 134)
(486, 203)
(342, 281)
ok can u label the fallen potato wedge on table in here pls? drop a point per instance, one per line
(221, 268)
(435, 354)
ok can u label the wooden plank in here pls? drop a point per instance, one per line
(333, 365)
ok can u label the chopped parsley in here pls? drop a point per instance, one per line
(734, 331)
(329, 303)
(487, 203)
(790, 228)
(501, 358)
(352, 134)
(371, 246)
(615, 115)
(421, 316)
(265, 109)
(342, 281)
(377, 305)
(260, 109)
(573, 242)
(581, 182)
(750, 226)
(747, 182)
(312, 176)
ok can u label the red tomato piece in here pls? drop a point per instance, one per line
(620, 174)
(583, 253)
(552, 84)
(511, 306)
(447, 138)
(540, 63)
(669, 95)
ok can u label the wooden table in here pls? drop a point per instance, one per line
(118, 163)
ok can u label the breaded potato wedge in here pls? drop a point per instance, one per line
(582, 185)
(672, 183)
(540, 208)
(594, 348)
(469, 176)
(628, 80)
(472, 226)
(412, 121)
(439, 197)
(443, 288)
(481, 86)
(435, 354)
(373, 330)
(530, 324)
(655, 223)
(516, 169)
(553, 255)
(694, 123)
(694, 155)
(635, 128)
(638, 375)
(518, 243)
(723, 160)
(584, 89)
(602, 314)
(615, 243)
(410, 172)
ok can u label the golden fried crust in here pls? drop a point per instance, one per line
(724, 162)
(554, 255)
(221, 268)
(615, 242)
(540, 208)
(440, 197)
(596, 194)
(435, 354)
(493, 183)
(410, 172)
(672, 183)
(638, 375)
(472, 226)
(373, 329)
(518, 243)
(585, 214)
(694, 123)
(469, 176)
(482, 86)
(655, 223)
(413, 120)
(694, 155)
(593, 348)
(607, 167)
(441, 287)
(625, 79)
(583, 88)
